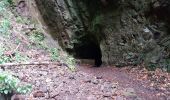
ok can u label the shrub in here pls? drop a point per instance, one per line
(10, 84)
(54, 54)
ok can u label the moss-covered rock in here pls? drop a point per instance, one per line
(127, 32)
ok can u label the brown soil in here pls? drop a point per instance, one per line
(88, 83)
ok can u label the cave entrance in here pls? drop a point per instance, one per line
(89, 50)
(89, 43)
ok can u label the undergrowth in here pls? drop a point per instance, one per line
(54, 54)
(3, 58)
(36, 39)
(10, 84)
(13, 47)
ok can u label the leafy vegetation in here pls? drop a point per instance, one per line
(10, 84)
(5, 34)
(165, 65)
(37, 39)
(54, 54)
(68, 60)
(22, 20)
(35, 36)
(96, 23)
(10, 2)
(71, 63)
(20, 58)
(4, 19)
(3, 58)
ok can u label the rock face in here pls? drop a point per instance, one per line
(116, 32)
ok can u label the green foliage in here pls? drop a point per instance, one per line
(96, 23)
(17, 41)
(3, 6)
(2, 49)
(134, 58)
(4, 18)
(7, 2)
(4, 27)
(22, 20)
(3, 58)
(37, 38)
(10, 2)
(165, 64)
(151, 66)
(24, 89)
(71, 63)
(9, 84)
(63, 58)
(54, 54)
(20, 58)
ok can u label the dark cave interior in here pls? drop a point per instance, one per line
(89, 50)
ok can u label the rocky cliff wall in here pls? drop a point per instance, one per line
(116, 32)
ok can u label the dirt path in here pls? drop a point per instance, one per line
(87, 83)
(126, 81)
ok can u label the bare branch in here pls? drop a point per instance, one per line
(30, 63)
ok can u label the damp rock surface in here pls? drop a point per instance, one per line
(116, 32)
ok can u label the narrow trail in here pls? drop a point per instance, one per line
(87, 83)
(124, 79)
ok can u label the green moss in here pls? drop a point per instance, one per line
(96, 23)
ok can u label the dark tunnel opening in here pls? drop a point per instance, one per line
(89, 50)
(89, 45)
